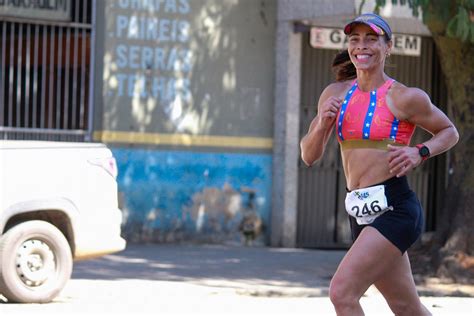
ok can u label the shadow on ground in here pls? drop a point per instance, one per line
(256, 271)
(252, 269)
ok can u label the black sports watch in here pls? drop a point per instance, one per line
(423, 151)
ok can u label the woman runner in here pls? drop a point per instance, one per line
(374, 118)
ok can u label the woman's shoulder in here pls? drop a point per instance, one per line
(408, 99)
(400, 90)
(404, 95)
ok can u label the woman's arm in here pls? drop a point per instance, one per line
(314, 142)
(416, 106)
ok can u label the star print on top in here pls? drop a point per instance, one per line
(366, 116)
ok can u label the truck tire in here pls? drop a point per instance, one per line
(35, 262)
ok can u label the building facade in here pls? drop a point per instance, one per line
(203, 103)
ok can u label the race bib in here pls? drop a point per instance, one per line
(366, 204)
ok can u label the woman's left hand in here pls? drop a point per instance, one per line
(401, 160)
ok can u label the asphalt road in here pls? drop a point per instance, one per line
(212, 280)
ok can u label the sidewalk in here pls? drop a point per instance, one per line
(255, 271)
(213, 278)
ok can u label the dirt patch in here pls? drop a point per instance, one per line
(433, 286)
(430, 284)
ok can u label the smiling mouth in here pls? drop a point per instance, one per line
(362, 57)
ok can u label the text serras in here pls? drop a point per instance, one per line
(157, 58)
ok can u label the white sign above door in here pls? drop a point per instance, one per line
(329, 38)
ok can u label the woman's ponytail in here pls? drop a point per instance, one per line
(342, 67)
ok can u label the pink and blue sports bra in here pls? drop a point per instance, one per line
(365, 121)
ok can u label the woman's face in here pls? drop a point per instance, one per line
(366, 48)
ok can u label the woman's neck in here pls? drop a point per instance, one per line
(368, 81)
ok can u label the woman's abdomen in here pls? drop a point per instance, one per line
(364, 167)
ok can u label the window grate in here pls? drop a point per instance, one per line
(46, 75)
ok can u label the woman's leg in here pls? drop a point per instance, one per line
(398, 288)
(370, 258)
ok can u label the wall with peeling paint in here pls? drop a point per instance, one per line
(184, 98)
(171, 196)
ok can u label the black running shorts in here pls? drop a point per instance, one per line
(403, 225)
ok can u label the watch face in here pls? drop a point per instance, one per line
(424, 151)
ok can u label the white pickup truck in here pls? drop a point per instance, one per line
(58, 203)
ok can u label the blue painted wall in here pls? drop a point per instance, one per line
(170, 196)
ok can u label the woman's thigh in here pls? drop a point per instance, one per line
(398, 287)
(370, 258)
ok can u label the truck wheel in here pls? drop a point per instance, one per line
(35, 262)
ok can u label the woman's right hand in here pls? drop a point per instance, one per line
(314, 142)
(327, 112)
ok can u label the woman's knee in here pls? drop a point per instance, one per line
(341, 293)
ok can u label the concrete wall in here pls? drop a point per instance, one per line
(197, 67)
(184, 97)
